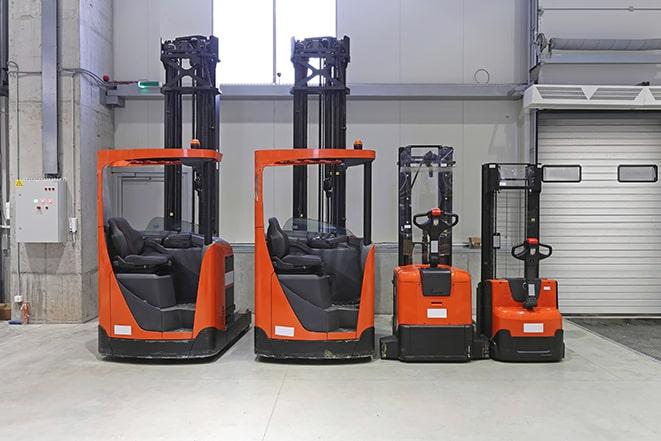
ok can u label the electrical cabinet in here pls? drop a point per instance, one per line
(41, 211)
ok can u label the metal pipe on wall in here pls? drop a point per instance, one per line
(4, 137)
(49, 68)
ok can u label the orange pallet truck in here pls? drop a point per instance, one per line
(519, 315)
(432, 308)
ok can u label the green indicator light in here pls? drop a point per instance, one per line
(146, 84)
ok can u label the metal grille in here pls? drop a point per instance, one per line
(606, 235)
(510, 219)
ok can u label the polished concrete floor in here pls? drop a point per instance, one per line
(53, 385)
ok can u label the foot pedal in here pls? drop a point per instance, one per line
(389, 347)
(480, 348)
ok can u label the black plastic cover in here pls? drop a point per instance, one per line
(436, 282)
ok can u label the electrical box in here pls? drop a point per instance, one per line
(41, 210)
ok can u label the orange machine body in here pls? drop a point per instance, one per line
(272, 309)
(115, 317)
(413, 308)
(508, 314)
(516, 333)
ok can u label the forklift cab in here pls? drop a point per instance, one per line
(314, 280)
(163, 293)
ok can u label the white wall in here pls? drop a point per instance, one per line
(601, 24)
(392, 41)
(434, 41)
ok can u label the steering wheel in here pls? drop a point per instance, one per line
(437, 222)
(326, 240)
(531, 249)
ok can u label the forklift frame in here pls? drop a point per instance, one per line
(407, 160)
(190, 69)
(332, 90)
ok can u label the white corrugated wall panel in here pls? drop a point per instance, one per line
(606, 235)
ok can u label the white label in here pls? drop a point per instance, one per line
(533, 328)
(434, 246)
(437, 313)
(284, 331)
(547, 288)
(531, 290)
(229, 278)
(123, 330)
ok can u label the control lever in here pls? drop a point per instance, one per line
(530, 252)
(437, 222)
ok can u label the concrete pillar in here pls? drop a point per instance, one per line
(59, 280)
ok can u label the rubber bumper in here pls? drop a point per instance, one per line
(429, 343)
(504, 347)
(315, 349)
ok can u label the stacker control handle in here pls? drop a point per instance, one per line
(437, 222)
(531, 248)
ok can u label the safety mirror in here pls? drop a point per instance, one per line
(561, 173)
(637, 173)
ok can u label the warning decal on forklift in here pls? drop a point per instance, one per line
(123, 330)
(229, 278)
(533, 328)
(437, 313)
(284, 331)
(19, 182)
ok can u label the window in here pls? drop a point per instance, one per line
(562, 173)
(245, 41)
(299, 19)
(255, 36)
(637, 173)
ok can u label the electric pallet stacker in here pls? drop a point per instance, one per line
(170, 293)
(432, 311)
(520, 315)
(314, 280)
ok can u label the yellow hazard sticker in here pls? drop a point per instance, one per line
(19, 182)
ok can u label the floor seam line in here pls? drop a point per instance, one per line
(275, 403)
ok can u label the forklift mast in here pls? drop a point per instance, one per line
(522, 177)
(327, 80)
(190, 69)
(431, 159)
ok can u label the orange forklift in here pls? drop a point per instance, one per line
(314, 279)
(519, 315)
(432, 313)
(168, 291)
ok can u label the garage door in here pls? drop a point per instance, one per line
(606, 235)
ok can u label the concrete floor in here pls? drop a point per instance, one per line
(54, 386)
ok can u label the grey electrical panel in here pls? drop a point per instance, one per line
(41, 210)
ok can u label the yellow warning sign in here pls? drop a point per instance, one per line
(19, 182)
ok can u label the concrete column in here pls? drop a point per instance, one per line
(59, 280)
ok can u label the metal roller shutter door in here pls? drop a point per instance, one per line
(606, 236)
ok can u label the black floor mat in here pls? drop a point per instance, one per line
(642, 335)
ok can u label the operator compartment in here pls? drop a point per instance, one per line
(158, 274)
(320, 268)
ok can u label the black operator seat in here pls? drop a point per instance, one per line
(134, 253)
(284, 260)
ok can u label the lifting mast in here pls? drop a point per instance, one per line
(331, 88)
(190, 69)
